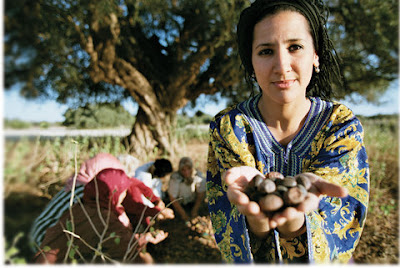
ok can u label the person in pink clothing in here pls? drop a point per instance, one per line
(91, 167)
(117, 197)
(127, 197)
(61, 201)
(140, 199)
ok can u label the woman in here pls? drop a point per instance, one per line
(186, 189)
(109, 201)
(61, 201)
(289, 128)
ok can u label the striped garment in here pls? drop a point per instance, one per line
(330, 145)
(51, 214)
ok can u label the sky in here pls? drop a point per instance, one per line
(16, 107)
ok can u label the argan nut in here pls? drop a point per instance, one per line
(281, 188)
(258, 179)
(289, 182)
(272, 178)
(270, 202)
(267, 186)
(303, 189)
(293, 196)
(278, 194)
(275, 175)
(303, 180)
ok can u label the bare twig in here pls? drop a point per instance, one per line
(130, 246)
(89, 246)
(98, 201)
(130, 251)
(106, 225)
(88, 217)
(71, 200)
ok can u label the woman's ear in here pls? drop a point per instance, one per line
(316, 60)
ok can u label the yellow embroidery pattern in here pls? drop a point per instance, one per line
(213, 192)
(335, 221)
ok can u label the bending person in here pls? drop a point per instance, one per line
(91, 227)
(61, 201)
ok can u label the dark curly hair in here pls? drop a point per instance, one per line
(321, 84)
(162, 167)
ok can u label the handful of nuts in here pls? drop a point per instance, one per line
(274, 194)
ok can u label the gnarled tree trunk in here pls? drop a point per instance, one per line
(161, 79)
(147, 137)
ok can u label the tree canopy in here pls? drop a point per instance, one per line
(365, 35)
(165, 53)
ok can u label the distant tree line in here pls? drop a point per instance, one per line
(103, 115)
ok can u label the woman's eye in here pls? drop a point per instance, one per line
(265, 52)
(295, 47)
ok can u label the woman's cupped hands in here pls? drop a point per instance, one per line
(290, 221)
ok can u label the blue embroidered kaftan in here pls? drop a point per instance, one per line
(330, 144)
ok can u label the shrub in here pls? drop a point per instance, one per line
(16, 124)
(91, 116)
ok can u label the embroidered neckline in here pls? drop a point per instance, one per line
(300, 145)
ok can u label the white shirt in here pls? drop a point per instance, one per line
(143, 175)
(179, 189)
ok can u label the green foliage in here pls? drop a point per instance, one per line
(183, 120)
(202, 118)
(106, 115)
(16, 124)
(365, 34)
(49, 49)
(11, 255)
(388, 208)
(44, 124)
(192, 128)
(21, 124)
(192, 133)
(19, 152)
(381, 138)
(52, 160)
(199, 118)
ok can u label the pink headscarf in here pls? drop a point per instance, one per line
(111, 183)
(92, 167)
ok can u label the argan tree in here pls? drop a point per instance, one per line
(161, 53)
(165, 53)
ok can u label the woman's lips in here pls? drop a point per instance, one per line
(284, 84)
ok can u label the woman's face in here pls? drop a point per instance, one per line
(186, 172)
(283, 56)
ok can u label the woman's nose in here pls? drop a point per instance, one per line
(282, 62)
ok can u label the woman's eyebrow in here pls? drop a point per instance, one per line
(288, 41)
